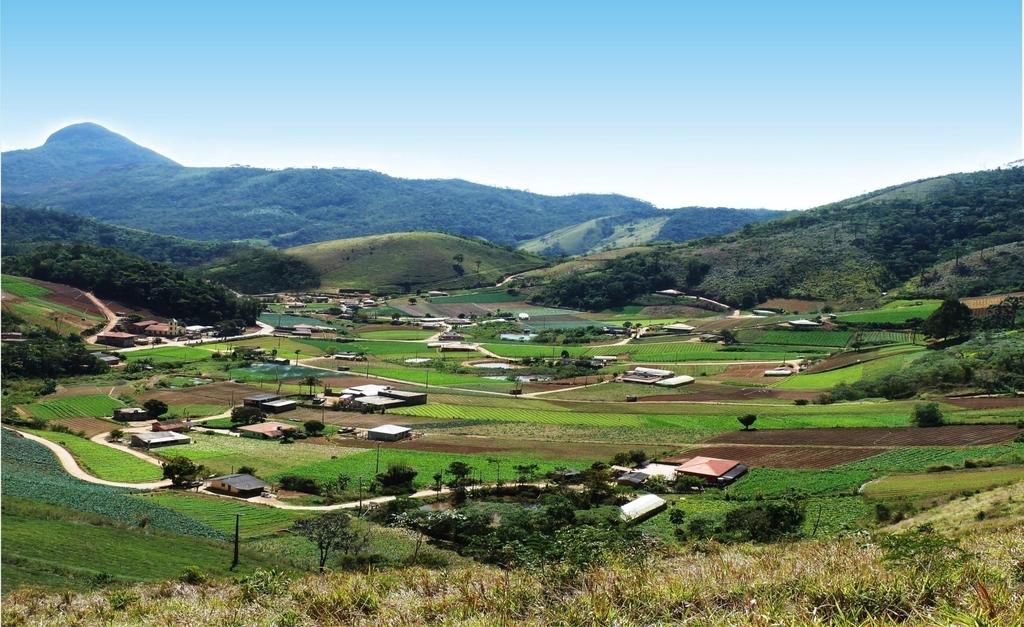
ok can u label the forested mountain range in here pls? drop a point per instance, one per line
(849, 250)
(91, 171)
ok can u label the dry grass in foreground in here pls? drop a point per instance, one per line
(923, 579)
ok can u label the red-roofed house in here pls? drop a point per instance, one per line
(713, 470)
(263, 430)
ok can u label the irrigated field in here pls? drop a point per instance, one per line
(95, 405)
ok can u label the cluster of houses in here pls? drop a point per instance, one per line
(370, 397)
(130, 333)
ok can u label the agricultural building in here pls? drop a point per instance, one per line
(672, 382)
(451, 336)
(162, 330)
(455, 347)
(614, 330)
(117, 338)
(803, 324)
(516, 337)
(642, 508)
(678, 328)
(110, 360)
(263, 430)
(647, 376)
(258, 399)
(168, 425)
(130, 413)
(388, 433)
(669, 292)
(350, 356)
(278, 406)
(715, 471)
(633, 479)
(565, 475)
(765, 312)
(374, 403)
(778, 372)
(157, 439)
(140, 326)
(601, 361)
(370, 389)
(244, 486)
(408, 398)
(437, 293)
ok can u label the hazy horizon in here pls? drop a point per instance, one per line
(785, 106)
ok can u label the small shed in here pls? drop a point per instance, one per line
(258, 399)
(778, 372)
(408, 398)
(278, 406)
(116, 338)
(678, 327)
(157, 439)
(642, 508)
(240, 485)
(803, 324)
(130, 413)
(672, 382)
(633, 479)
(388, 433)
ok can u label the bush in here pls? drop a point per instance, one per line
(242, 416)
(764, 522)
(299, 484)
(801, 401)
(192, 575)
(927, 415)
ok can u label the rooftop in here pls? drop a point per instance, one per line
(390, 429)
(242, 482)
(707, 466)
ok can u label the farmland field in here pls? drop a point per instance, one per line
(931, 484)
(783, 456)
(102, 461)
(896, 312)
(832, 339)
(950, 435)
(95, 405)
(87, 424)
(51, 305)
(219, 513)
(170, 354)
(223, 454)
(396, 334)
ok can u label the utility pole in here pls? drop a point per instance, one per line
(234, 562)
(360, 494)
(378, 458)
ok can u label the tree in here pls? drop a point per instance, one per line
(229, 328)
(155, 408)
(330, 533)
(763, 522)
(438, 478)
(312, 380)
(182, 471)
(638, 457)
(461, 472)
(458, 258)
(951, 319)
(927, 415)
(116, 435)
(747, 420)
(313, 427)
(241, 416)
(246, 470)
(525, 473)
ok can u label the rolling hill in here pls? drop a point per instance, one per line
(241, 266)
(408, 261)
(91, 171)
(850, 250)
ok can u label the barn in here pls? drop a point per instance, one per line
(239, 485)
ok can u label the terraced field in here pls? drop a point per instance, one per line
(830, 339)
(171, 354)
(897, 312)
(95, 405)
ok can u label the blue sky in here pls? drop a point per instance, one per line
(783, 104)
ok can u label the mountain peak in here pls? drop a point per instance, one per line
(76, 152)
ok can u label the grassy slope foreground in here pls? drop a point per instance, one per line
(407, 261)
(844, 581)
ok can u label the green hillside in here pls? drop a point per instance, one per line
(636, 229)
(241, 266)
(850, 250)
(409, 261)
(989, 269)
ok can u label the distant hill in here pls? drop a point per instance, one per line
(638, 228)
(76, 153)
(405, 262)
(849, 250)
(998, 268)
(91, 171)
(240, 266)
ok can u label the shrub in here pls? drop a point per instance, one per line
(801, 401)
(299, 484)
(927, 415)
(192, 575)
(764, 522)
